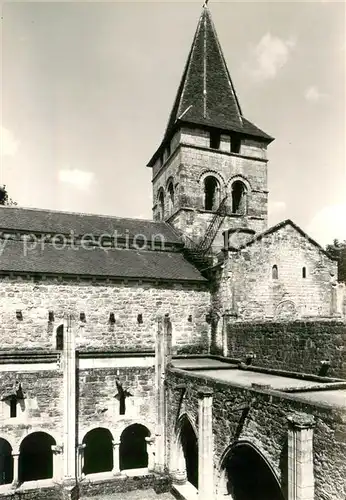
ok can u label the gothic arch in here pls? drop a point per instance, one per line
(184, 451)
(235, 480)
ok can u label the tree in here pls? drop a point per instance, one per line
(4, 198)
(337, 250)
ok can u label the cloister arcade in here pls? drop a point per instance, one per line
(38, 457)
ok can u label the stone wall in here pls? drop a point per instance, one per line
(299, 346)
(260, 417)
(247, 287)
(192, 161)
(41, 410)
(186, 304)
(98, 406)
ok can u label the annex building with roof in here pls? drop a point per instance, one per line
(201, 352)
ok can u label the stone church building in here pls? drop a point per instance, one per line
(201, 353)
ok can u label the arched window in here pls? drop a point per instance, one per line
(239, 198)
(98, 452)
(60, 338)
(304, 272)
(161, 203)
(275, 272)
(246, 475)
(6, 462)
(211, 193)
(170, 190)
(36, 457)
(133, 447)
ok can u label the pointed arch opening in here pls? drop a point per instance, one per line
(98, 451)
(275, 272)
(6, 462)
(184, 457)
(246, 475)
(211, 193)
(36, 457)
(133, 447)
(239, 198)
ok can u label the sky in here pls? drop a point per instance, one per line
(87, 88)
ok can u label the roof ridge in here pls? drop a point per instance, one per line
(87, 214)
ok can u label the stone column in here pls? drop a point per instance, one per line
(224, 336)
(205, 444)
(163, 355)
(57, 453)
(80, 459)
(151, 453)
(15, 481)
(69, 383)
(180, 474)
(300, 457)
(116, 457)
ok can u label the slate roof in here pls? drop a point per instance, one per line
(30, 220)
(117, 263)
(206, 70)
(277, 227)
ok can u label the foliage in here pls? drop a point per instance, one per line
(4, 198)
(337, 250)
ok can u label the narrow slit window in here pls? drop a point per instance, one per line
(60, 338)
(13, 408)
(275, 272)
(304, 272)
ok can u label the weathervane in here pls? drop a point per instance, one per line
(205, 3)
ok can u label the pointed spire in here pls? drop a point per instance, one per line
(206, 95)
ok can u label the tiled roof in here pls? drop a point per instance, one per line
(206, 95)
(31, 220)
(277, 227)
(117, 263)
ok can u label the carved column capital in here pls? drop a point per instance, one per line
(300, 421)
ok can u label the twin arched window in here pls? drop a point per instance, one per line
(170, 200)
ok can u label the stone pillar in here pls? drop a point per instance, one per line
(205, 444)
(179, 473)
(224, 337)
(80, 459)
(15, 481)
(116, 457)
(151, 453)
(300, 457)
(163, 356)
(57, 454)
(69, 383)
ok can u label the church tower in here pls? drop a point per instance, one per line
(210, 170)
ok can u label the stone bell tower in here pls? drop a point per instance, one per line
(210, 170)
